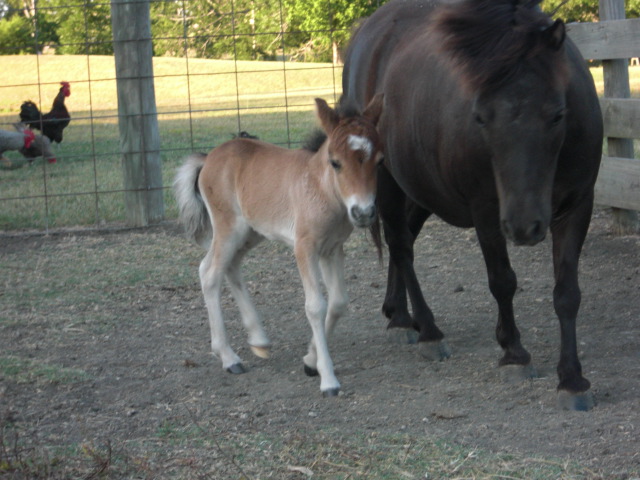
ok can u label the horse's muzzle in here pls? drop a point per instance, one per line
(524, 233)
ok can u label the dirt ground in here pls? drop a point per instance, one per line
(148, 359)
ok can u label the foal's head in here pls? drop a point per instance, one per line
(354, 150)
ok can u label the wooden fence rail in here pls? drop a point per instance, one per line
(615, 41)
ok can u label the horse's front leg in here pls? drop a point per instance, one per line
(502, 284)
(568, 237)
(318, 360)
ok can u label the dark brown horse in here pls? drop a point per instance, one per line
(491, 120)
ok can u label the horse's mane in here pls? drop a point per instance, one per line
(489, 41)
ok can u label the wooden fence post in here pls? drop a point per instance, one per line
(616, 85)
(137, 114)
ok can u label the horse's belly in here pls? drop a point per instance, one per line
(432, 194)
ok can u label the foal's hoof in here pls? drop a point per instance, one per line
(435, 351)
(581, 402)
(402, 336)
(311, 372)
(236, 368)
(262, 352)
(517, 373)
(332, 392)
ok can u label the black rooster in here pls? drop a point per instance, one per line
(53, 123)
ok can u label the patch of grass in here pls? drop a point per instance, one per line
(190, 451)
(22, 370)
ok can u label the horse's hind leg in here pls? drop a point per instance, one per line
(212, 271)
(402, 223)
(568, 237)
(395, 306)
(258, 339)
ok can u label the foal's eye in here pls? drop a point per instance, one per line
(335, 163)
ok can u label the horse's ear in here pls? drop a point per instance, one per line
(374, 109)
(555, 34)
(327, 115)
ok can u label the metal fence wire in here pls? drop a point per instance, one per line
(219, 68)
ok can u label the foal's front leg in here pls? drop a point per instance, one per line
(316, 310)
(332, 268)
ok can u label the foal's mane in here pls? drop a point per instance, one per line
(489, 41)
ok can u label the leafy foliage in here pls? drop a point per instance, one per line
(584, 10)
(326, 24)
(15, 35)
(233, 29)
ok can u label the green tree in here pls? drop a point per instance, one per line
(584, 10)
(217, 29)
(326, 24)
(15, 35)
(87, 30)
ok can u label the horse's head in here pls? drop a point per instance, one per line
(354, 151)
(515, 70)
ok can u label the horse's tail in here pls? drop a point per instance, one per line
(194, 215)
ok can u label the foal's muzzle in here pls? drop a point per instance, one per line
(362, 216)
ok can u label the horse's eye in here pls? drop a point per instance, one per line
(479, 120)
(335, 164)
(558, 118)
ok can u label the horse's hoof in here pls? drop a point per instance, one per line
(236, 368)
(402, 336)
(517, 373)
(435, 351)
(311, 372)
(581, 402)
(262, 352)
(332, 392)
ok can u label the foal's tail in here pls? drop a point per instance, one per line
(193, 211)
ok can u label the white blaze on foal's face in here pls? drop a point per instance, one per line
(356, 142)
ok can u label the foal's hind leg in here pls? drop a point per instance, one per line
(258, 339)
(212, 272)
(211, 277)
(400, 235)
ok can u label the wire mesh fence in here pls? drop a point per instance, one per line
(219, 68)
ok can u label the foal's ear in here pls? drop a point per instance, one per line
(327, 115)
(374, 109)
